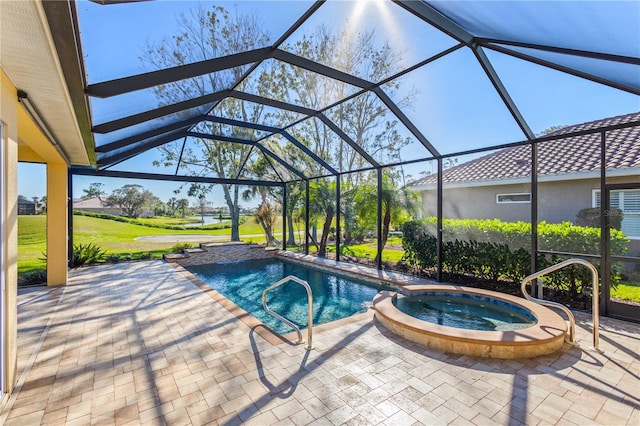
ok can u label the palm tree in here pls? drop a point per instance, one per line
(183, 205)
(322, 205)
(398, 204)
(265, 216)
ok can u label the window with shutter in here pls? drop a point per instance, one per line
(629, 202)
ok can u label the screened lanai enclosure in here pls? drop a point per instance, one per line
(482, 140)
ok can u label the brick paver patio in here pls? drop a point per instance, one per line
(138, 343)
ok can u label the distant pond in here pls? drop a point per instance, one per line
(208, 220)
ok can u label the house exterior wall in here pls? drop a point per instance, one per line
(557, 201)
(561, 201)
(9, 116)
(26, 209)
(22, 136)
(105, 210)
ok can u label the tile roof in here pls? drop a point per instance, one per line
(557, 157)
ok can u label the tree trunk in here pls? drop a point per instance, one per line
(322, 252)
(386, 221)
(234, 210)
(291, 237)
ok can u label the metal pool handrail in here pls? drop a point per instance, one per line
(286, 321)
(572, 321)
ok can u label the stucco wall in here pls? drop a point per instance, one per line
(561, 201)
(8, 114)
(557, 201)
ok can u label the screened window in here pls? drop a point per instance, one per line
(514, 198)
(629, 202)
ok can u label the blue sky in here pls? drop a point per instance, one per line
(456, 107)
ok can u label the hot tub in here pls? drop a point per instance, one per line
(543, 334)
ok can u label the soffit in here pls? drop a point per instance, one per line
(28, 57)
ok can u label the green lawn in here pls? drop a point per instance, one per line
(391, 253)
(627, 291)
(117, 238)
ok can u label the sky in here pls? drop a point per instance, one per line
(455, 105)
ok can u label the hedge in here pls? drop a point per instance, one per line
(493, 250)
(124, 219)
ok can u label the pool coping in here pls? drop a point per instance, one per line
(395, 279)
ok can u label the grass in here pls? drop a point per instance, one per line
(32, 242)
(117, 238)
(627, 291)
(389, 254)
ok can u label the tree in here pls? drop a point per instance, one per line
(364, 118)
(322, 205)
(200, 192)
(131, 199)
(295, 208)
(183, 206)
(266, 217)
(398, 204)
(449, 163)
(96, 189)
(159, 208)
(172, 206)
(551, 129)
(205, 34)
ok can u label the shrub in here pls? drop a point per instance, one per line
(493, 250)
(84, 254)
(178, 248)
(123, 219)
(34, 277)
(113, 258)
(591, 217)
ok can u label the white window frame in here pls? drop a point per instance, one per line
(594, 204)
(513, 202)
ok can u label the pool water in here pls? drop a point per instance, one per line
(334, 296)
(466, 311)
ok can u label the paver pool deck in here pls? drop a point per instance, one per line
(139, 343)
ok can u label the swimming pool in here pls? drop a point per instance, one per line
(334, 296)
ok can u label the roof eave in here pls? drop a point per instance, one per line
(592, 174)
(64, 29)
